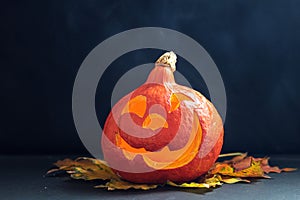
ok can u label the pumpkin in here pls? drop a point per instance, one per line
(162, 130)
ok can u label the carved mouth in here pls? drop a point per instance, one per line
(165, 158)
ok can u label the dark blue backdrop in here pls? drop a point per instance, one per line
(255, 44)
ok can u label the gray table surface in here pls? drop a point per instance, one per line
(23, 177)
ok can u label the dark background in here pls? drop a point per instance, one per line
(255, 45)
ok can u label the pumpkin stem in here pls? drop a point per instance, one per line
(168, 59)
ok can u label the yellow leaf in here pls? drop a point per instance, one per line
(123, 185)
(213, 181)
(210, 182)
(189, 185)
(234, 180)
(86, 168)
(99, 167)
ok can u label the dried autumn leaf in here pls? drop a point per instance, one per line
(288, 169)
(242, 164)
(234, 180)
(215, 180)
(246, 166)
(206, 183)
(86, 168)
(229, 171)
(124, 185)
(191, 185)
(268, 169)
(253, 170)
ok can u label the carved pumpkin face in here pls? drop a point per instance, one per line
(156, 132)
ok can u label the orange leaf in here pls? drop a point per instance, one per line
(253, 170)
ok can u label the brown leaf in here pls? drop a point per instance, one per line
(288, 169)
(242, 164)
(236, 158)
(65, 164)
(268, 169)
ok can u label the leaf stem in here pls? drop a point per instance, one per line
(230, 154)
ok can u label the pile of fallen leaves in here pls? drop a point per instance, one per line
(240, 168)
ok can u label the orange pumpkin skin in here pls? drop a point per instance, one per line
(167, 119)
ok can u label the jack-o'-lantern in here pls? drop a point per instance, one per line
(162, 130)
